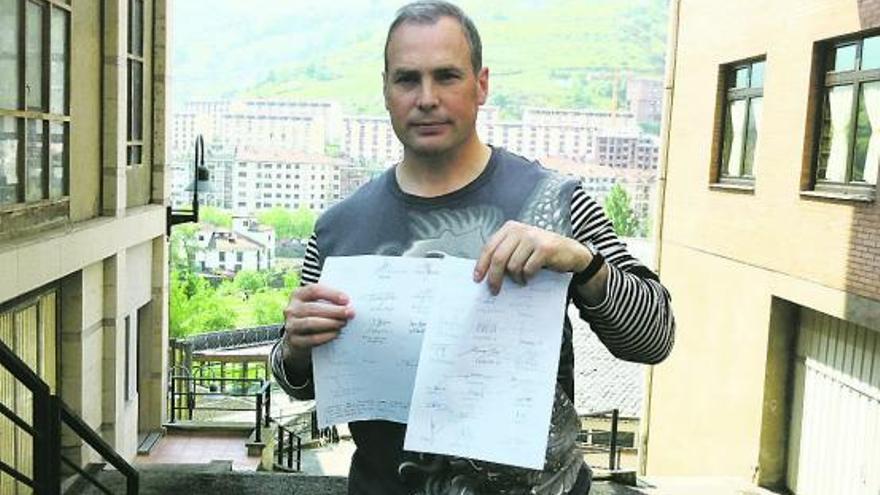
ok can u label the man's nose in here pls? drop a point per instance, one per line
(427, 96)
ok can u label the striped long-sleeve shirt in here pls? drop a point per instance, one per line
(635, 320)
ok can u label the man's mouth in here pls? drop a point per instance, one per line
(431, 126)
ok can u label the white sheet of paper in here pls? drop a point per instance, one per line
(486, 378)
(368, 371)
(472, 374)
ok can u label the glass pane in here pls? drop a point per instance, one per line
(58, 68)
(136, 27)
(845, 58)
(757, 75)
(741, 77)
(755, 108)
(871, 53)
(834, 142)
(134, 155)
(867, 148)
(34, 158)
(34, 56)
(135, 97)
(731, 161)
(57, 144)
(9, 54)
(8, 160)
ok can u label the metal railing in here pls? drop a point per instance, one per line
(284, 449)
(612, 448)
(49, 413)
(185, 391)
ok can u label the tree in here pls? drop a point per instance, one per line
(250, 281)
(289, 224)
(195, 307)
(215, 216)
(183, 247)
(620, 212)
(269, 307)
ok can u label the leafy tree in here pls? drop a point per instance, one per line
(291, 281)
(288, 224)
(215, 216)
(269, 307)
(183, 247)
(250, 281)
(620, 212)
(196, 307)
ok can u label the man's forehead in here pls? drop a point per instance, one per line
(414, 45)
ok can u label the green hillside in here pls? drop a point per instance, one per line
(553, 53)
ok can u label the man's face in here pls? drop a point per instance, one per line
(431, 91)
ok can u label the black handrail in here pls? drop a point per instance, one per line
(49, 412)
(613, 461)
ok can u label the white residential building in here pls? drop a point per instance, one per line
(264, 179)
(370, 139)
(247, 246)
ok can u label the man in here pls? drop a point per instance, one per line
(453, 194)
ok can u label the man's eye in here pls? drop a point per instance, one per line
(406, 80)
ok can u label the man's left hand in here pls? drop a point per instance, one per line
(520, 250)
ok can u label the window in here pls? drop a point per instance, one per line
(848, 148)
(135, 81)
(743, 103)
(34, 113)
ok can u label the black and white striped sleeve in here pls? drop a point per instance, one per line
(635, 320)
(299, 387)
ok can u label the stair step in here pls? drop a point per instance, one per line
(161, 482)
(149, 442)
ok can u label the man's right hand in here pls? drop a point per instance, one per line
(314, 316)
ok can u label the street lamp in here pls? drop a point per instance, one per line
(201, 178)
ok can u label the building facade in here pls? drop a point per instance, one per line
(264, 179)
(83, 255)
(770, 246)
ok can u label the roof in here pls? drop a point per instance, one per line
(602, 381)
(285, 156)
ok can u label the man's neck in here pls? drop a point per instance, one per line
(431, 176)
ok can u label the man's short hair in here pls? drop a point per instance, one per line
(431, 11)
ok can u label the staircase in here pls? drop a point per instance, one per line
(218, 478)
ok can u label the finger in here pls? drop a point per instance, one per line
(324, 310)
(536, 261)
(489, 248)
(498, 263)
(313, 325)
(311, 340)
(517, 261)
(316, 292)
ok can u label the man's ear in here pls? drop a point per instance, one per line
(385, 89)
(483, 85)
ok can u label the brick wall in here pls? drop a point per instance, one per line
(863, 265)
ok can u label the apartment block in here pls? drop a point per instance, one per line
(83, 188)
(264, 179)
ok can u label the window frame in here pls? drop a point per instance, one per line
(135, 143)
(728, 93)
(21, 115)
(827, 79)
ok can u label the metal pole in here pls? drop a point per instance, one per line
(290, 452)
(613, 454)
(268, 404)
(173, 396)
(298, 453)
(258, 431)
(280, 446)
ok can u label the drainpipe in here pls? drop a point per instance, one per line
(665, 130)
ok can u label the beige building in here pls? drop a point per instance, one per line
(770, 246)
(83, 255)
(268, 178)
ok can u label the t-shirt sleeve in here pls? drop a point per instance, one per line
(635, 321)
